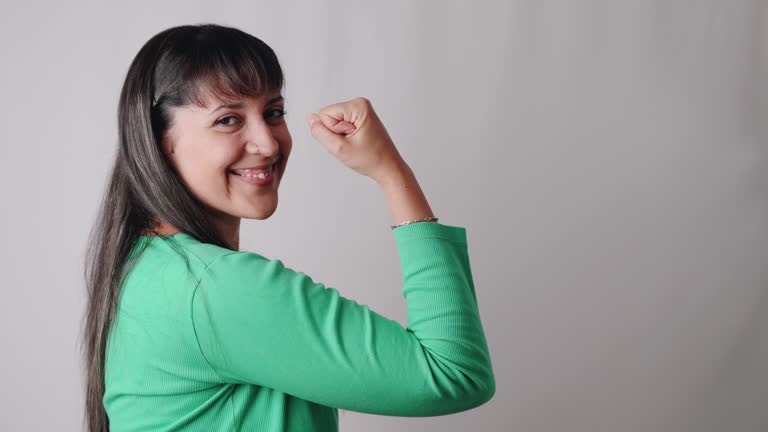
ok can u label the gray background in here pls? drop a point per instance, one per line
(608, 159)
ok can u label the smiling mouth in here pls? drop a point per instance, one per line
(259, 177)
(258, 173)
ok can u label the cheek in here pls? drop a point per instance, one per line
(286, 142)
(283, 135)
(205, 172)
(201, 178)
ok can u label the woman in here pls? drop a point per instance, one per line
(183, 331)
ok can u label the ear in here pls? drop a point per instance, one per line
(168, 149)
(167, 145)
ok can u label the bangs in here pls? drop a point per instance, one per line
(228, 66)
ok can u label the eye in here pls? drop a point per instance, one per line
(273, 114)
(221, 120)
(277, 112)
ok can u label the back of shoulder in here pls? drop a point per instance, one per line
(183, 250)
(208, 255)
(211, 264)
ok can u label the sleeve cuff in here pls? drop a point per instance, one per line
(420, 230)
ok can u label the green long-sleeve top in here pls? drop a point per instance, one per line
(239, 342)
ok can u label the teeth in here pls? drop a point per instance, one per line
(261, 175)
(257, 174)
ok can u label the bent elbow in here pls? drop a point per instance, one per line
(482, 392)
(490, 390)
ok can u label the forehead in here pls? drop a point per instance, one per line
(211, 101)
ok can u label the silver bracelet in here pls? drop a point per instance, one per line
(426, 219)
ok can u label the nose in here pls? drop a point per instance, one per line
(260, 140)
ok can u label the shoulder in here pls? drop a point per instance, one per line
(190, 253)
(209, 256)
(212, 265)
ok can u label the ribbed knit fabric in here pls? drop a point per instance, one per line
(240, 342)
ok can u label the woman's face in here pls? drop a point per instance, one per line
(207, 145)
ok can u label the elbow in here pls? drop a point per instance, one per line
(484, 383)
(462, 395)
(482, 392)
(479, 382)
(461, 387)
(480, 396)
(489, 390)
(485, 391)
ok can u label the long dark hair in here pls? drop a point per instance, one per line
(176, 67)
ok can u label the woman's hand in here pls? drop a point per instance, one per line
(352, 132)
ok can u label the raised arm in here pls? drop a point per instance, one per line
(262, 323)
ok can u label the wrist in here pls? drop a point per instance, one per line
(425, 219)
(395, 174)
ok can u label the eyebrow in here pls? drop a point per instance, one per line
(240, 104)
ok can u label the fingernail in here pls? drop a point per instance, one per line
(312, 118)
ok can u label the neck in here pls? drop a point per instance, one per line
(228, 228)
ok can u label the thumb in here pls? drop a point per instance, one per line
(321, 132)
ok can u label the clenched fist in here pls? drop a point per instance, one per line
(352, 132)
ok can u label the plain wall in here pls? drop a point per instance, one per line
(608, 159)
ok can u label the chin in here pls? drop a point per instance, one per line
(259, 214)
